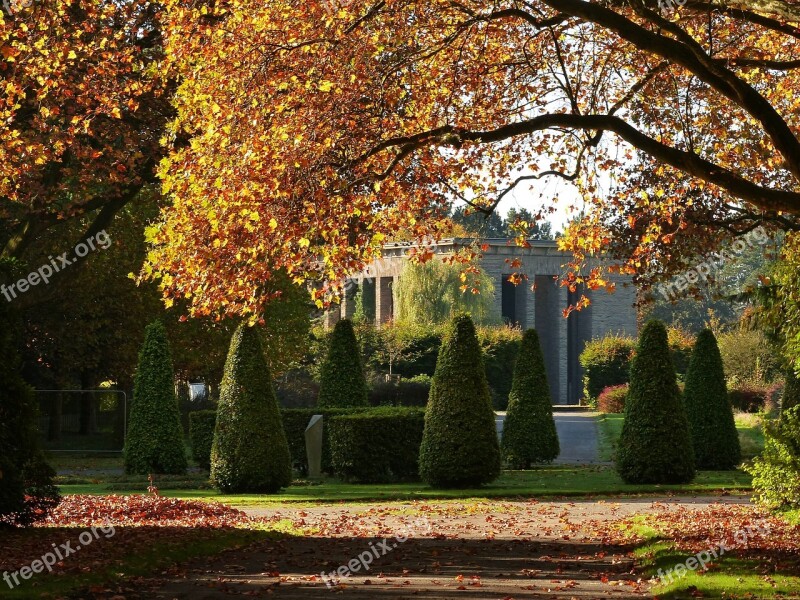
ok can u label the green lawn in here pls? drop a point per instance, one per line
(730, 577)
(546, 481)
(749, 426)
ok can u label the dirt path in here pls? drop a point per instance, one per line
(497, 550)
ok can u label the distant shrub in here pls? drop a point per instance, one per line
(681, 345)
(716, 441)
(612, 399)
(342, 382)
(501, 346)
(747, 357)
(201, 435)
(656, 443)
(376, 446)
(403, 392)
(605, 363)
(529, 431)
(749, 397)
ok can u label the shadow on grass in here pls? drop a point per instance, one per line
(110, 556)
(429, 567)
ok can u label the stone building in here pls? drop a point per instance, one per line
(540, 308)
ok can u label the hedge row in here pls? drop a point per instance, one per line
(376, 446)
(401, 428)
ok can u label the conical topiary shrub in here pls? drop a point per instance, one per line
(250, 453)
(655, 445)
(342, 383)
(791, 391)
(155, 436)
(459, 445)
(529, 432)
(716, 442)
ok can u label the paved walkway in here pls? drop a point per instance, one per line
(577, 434)
(490, 550)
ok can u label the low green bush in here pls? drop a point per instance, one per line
(201, 435)
(376, 446)
(776, 473)
(405, 392)
(612, 399)
(606, 362)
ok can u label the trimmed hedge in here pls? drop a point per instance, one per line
(376, 446)
(201, 435)
(716, 442)
(406, 392)
(612, 399)
(155, 436)
(529, 432)
(295, 421)
(605, 362)
(250, 453)
(459, 445)
(656, 444)
(752, 397)
(342, 383)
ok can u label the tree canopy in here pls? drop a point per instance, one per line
(302, 137)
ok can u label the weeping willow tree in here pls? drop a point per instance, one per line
(434, 292)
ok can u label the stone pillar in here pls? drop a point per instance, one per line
(562, 299)
(384, 303)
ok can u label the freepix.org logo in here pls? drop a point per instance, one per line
(14, 6)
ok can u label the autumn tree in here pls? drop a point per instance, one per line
(318, 138)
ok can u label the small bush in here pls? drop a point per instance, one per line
(749, 397)
(459, 446)
(716, 441)
(201, 435)
(155, 436)
(656, 444)
(250, 453)
(605, 362)
(342, 383)
(612, 399)
(405, 392)
(529, 431)
(776, 473)
(377, 446)
(747, 357)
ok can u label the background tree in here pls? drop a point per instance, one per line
(434, 292)
(342, 382)
(27, 491)
(459, 446)
(716, 441)
(656, 443)
(617, 92)
(529, 431)
(155, 436)
(250, 452)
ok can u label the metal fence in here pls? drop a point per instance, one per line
(83, 420)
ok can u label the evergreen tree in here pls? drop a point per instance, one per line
(155, 436)
(529, 432)
(716, 442)
(342, 383)
(656, 444)
(250, 453)
(459, 446)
